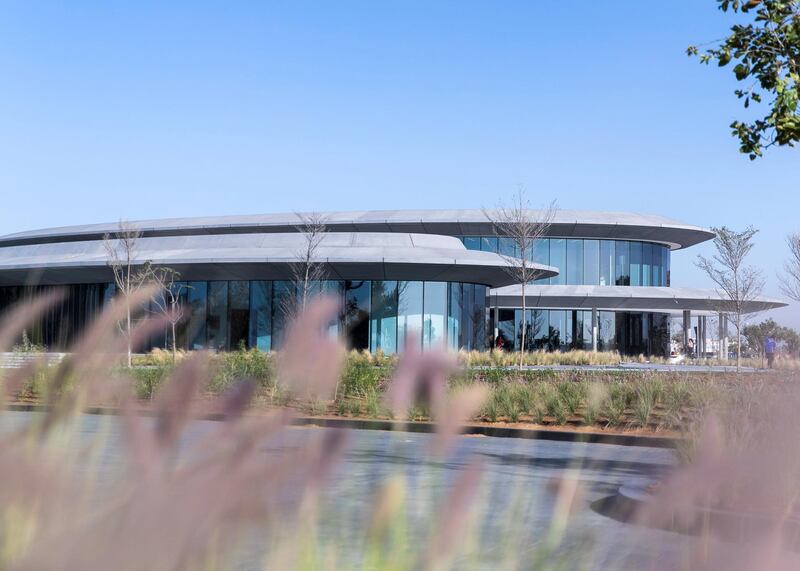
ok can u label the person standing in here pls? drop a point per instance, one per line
(769, 350)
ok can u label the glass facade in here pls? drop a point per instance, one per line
(630, 333)
(590, 262)
(225, 315)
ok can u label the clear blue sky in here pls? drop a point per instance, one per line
(115, 110)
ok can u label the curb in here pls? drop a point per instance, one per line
(420, 427)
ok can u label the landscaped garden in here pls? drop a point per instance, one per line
(659, 402)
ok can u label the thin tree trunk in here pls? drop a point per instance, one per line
(174, 344)
(128, 329)
(522, 340)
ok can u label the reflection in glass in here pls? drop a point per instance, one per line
(435, 300)
(383, 317)
(622, 267)
(409, 314)
(196, 325)
(356, 313)
(217, 321)
(607, 275)
(558, 325)
(574, 262)
(284, 298)
(261, 315)
(647, 262)
(489, 244)
(507, 247)
(636, 263)
(558, 258)
(238, 314)
(472, 242)
(591, 262)
(454, 311)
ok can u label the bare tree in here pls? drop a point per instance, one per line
(168, 300)
(130, 275)
(790, 281)
(522, 227)
(737, 283)
(307, 271)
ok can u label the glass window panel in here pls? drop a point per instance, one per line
(489, 244)
(356, 313)
(636, 263)
(472, 242)
(541, 254)
(284, 298)
(383, 317)
(454, 311)
(622, 266)
(587, 330)
(467, 324)
(261, 315)
(218, 315)
(647, 262)
(607, 275)
(558, 258)
(196, 314)
(574, 262)
(507, 247)
(409, 314)
(606, 329)
(506, 327)
(668, 265)
(238, 314)
(435, 298)
(591, 262)
(480, 340)
(540, 328)
(656, 279)
(557, 330)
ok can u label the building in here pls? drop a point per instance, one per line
(434, 277)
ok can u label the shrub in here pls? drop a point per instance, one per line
(616, 403)
(242, 364)
(570, 394)
(553, 404)
(147, 380)
(372, 404)
(361, 376)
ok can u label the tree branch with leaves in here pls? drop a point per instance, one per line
(765, 50)
(790, 280)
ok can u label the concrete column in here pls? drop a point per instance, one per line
(687, 325)
(594, 329)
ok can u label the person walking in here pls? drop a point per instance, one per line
(769, 350)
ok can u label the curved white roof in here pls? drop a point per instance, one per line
(363, 255)
(567, 223)
(630, 298)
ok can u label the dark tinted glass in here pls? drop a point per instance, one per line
(217, 321)
(356, 313)
(261, 315)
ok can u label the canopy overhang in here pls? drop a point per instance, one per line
(624, 298)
